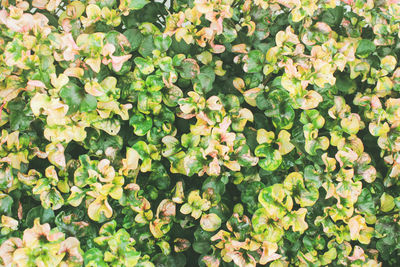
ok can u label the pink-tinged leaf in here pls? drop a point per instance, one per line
(217, 49)
(214, 168)
(108, 50)
(214, 103)
(36, 83)
(224, 125)
(3, 16)
(358, 254)
(239, 48)
(94, 63)
(268, 252)
(118, 61)
(233, 165)
(74, 72)
(40, 4)
(349, 2)
(7, 250)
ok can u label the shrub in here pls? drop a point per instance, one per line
(199, 133)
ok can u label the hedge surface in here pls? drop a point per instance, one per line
(200, 133)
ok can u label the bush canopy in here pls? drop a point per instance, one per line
(200, 133)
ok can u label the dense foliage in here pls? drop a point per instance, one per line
(200, 133)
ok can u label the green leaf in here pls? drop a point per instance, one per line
(159, 176)
(215, 184)
(134, 37)
(145, 66)
(105, 3)
(255, 62)
(154, 82)
(100, 141)
(147, 46)
(312, 176)
(385, 247)
(141, 123)
(365, 202)
(162, 43)
(271, 160)
(142, 148)
(262, 224)
(148, 101)
(45, 215)
(229, 34)
(165, 64)
(94, 257)
(201, 247)
(203, 83)
(5, 204)
(389, 230)
(88, 103)
(110, 126)
(387, 202)
(137, 4)
(249, 195)
(264, 103)
(108, 228)
(333, 16)
(172, 95)
(20, 115)
(172, 146)
(286, 117)
(76, 98)
(365, 48)
(345, 84)
(177, 260)
(189, 69)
